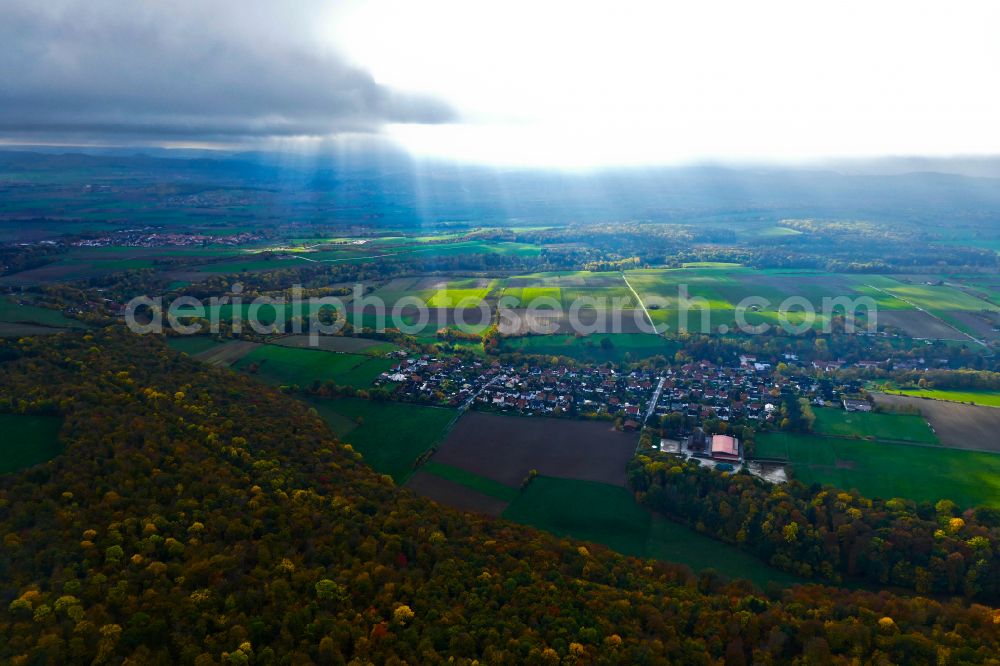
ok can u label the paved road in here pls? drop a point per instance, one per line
(655, 399)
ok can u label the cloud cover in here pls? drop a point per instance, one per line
(185, 70)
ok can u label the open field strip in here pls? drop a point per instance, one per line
(983, 398)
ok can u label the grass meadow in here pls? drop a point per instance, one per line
(886, 470)
(390, 435)
(286, 366)
(28, 440)
(635, 346)
(874, 425)
(609, 515)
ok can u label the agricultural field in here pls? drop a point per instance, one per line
(461, 293)
(454, 494)
(506, 448)
(609, 515)
(68, 268)
(957, 425)
(986, 287)
(713, 292)
(264, 313)
(437, 292)
(478, 483)
(430, 251)
(918, 310)
(981, 324)
(933, 297)
(603, 290)
(874, 425)
(228, 353)
(9, 330)
(28, 440)
(193, 344)
(516, 322)
(390, 435)
(621, 346)
(287, 366)
(426, 248)
(85, 262)
(251, 262)
(921, 325)
(985, 398)
(12, 312)
(886, 470)
(336, 343)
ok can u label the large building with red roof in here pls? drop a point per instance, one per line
(725, 448)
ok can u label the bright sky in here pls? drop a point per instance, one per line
(577, 83)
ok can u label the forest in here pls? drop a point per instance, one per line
(829, 534)
(198, 517)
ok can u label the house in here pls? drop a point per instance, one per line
(725, 448)
(857, 405)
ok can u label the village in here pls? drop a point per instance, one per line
(685, 396)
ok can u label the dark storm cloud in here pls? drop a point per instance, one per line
(197, 70)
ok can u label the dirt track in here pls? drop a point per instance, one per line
(506, 448)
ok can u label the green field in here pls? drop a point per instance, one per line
(719, 288)
(287, 366)
(459, 293)
(634, 346)
(390, 435)
(264, 313)
(886, 470)
(936, 297)
(474, 481)
(986, 398)
(604, 289)
(28, 440)
(250, 263)
(875, 425)
(474, 247)
(11, 311)
(345, 344)
(609, 515)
